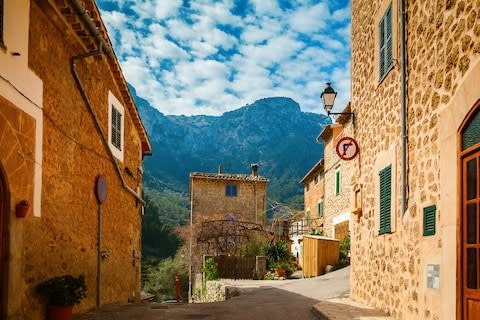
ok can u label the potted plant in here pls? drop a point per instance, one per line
(21, 208)
(63, 293)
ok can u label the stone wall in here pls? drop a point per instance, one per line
(313, 194)
(389, 270)
(63, 240)
(336, 205)
(211, 203)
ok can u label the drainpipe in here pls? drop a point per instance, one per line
(102, 48)
(403, 104)
(81, 88)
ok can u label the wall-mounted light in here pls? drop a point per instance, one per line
(328, 98)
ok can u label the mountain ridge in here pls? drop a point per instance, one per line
(273, 132)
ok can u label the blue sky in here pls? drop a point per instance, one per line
(211, 56)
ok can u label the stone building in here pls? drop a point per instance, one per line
(66, 118)
(338, 173)
(415, 95)
(313, 196)
(218, 196)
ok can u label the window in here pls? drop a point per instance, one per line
(116, 128)
(385, 42)
(385, 200)
(316, 179)
(2, 45)
(116, 120)
(307, 186)
(231, 190)
(337, 182)
(320, 208)
(429, 220)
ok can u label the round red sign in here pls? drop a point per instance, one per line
(101, 189)
(347, 148)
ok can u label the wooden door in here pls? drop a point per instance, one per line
(470, 235)
(2, 245)
(469, 231)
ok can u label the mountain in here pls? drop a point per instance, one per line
(272, 132)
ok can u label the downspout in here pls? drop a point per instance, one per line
(403, 104)
(103, 48)
(191, 244)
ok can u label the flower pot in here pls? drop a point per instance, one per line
(21, 209)
(60, 312)
(280, 272)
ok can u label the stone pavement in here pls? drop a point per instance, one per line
(276, 300)
(346, 309)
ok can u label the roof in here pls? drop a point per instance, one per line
(227, 176)
(318, 165)
(79, 28)
(341, 120)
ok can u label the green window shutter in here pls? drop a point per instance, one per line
(308, 217)
(381, 55)
(385, 200)
(385, 42)
(337, 182)
(429, 214)
(320, 209)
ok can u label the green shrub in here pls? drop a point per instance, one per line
(277, 252)
(269, 276)
(211, 269)
(64, 291)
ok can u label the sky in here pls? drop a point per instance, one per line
(211, 56)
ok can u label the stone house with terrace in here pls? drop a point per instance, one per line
(415, 74)
(66, 118)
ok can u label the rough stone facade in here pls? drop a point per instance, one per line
(61, 238)
(313, 193)
(337, 207)
(389, 271)
(209, 201)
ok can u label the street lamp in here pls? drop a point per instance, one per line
(328, 97)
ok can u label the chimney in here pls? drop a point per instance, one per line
(220, 169)
(255, 169)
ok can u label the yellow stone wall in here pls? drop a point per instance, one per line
(63, 240)
(210, 202)
(443, 46)
(313, 194)
(337, 205)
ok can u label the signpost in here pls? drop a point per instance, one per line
(347, 148)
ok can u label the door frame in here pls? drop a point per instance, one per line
(460, 155)
(4, 216)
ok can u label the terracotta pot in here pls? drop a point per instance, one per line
(21, 209)
(60, 312)
(280, 272)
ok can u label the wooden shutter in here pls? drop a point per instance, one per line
(385, 199)
(429, 220)
(386, 42)
(116, 128)
(388, 38)
(320, 209)
(337, 182)
(381, 55)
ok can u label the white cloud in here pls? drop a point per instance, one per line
(206, 58)
(266, 7)
(310, 19)
(156, 9)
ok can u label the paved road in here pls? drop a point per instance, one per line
(276, 300)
